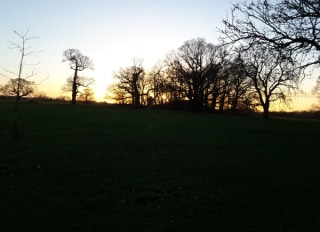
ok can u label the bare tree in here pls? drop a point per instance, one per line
(131, 81)
(290, 25)
(157, 85)
(19, 83)
(80, 86)
(116, 94)
(18, 88)
(272, 73)
(78, 62)
(87, 95)
(239, 82)
(194, 66)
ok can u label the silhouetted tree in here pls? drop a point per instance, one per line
(18, 88)
(287, 25)
(78, 86)
(116, 94)
(272, 73)
(175, 88)
(157, 84)
(193, 68)
(131, 81)
(19, 85)
(224, 81)
(87, 94)
(78, 62)
(239, 82)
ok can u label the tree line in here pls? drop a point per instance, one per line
(264, 51)
(207, 77)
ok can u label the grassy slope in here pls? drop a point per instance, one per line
(104, 168)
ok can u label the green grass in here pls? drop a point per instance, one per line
(108, 168)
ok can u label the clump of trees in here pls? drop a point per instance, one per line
(211, 77)
(194, 72)
(289, 29)
(265, 48)
(131, 84)
(200, 74)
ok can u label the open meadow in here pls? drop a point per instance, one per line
(112, 168)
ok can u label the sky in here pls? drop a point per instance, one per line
(111, 33)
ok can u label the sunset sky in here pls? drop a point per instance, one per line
(111, 33)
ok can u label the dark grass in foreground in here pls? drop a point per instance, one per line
(107, 168)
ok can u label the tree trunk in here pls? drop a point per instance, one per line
(235, 101)
(74, 87)
(221, 103)
(266, 110)
(137, 99)
(136, 94)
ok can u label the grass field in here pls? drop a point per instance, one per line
(111, 168)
